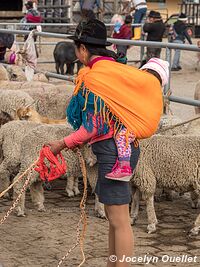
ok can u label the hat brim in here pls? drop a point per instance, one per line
(74, 38)
(183, 19)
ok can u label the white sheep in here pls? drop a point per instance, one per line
(171, 163)
(11, 100)
(51, 99)
(31, 145)
(11, 142)
(11, 135)
(16, 73)
(4, 76)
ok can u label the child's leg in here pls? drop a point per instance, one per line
(122, 170)
(122, 234)
(124, 146)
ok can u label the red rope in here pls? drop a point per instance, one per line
(56, 168)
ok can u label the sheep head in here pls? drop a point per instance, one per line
(5, 117)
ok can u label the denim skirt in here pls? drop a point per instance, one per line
(111, 192)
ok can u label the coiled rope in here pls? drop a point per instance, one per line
(54, 161)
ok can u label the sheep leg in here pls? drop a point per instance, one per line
(37, 195)
(152, 220)
(195, 230)
(16, 190)
(99, 208)
(70, 186)
(135, 205)
(5, 179)
(75, 187)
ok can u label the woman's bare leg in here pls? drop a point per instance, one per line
(120, 234)
(111, 243)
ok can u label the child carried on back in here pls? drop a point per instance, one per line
(122, 170)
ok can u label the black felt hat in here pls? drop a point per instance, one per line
(91, 32)
(154, 14)
(29, 4)
(182, 17)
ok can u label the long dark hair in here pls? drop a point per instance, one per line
(97, 50)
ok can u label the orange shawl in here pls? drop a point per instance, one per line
(133, 96)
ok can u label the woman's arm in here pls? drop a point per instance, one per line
(77, 138)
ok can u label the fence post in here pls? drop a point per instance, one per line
(142, 49)
(168, 57)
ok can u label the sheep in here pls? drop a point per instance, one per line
(40, 77)
(11, 135)
(168, 120)
(11, 141)
(32, 143)
(12, 100)
(4, 76)
(30, 114)
(51, 100)
(171, 163)
(16, 73)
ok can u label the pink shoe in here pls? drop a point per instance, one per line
(120, 173)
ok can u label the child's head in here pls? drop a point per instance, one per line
(160, 66)
(128, 19)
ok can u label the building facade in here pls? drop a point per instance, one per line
(165, 6)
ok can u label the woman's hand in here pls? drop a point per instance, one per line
(56, 146)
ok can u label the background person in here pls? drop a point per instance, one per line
(91, 5)
(140, 7)
(179, 33)
(6, 41)
(124, 32)
(155, 29)
(32, 16)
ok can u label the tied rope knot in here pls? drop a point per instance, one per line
(57, 166)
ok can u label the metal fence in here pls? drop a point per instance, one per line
(168, 54)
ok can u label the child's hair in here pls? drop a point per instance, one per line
(128, 19)
(155, 74)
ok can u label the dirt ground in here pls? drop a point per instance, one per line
(41, 239)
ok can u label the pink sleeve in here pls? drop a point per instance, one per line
(80, 136)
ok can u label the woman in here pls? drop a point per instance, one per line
(102, 102)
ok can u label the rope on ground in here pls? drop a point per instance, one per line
(29, 176)
(83, 217)
(19, 178)
(178, 124)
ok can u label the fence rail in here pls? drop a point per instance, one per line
(54, 24)
(168, 46)
(112, 40)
